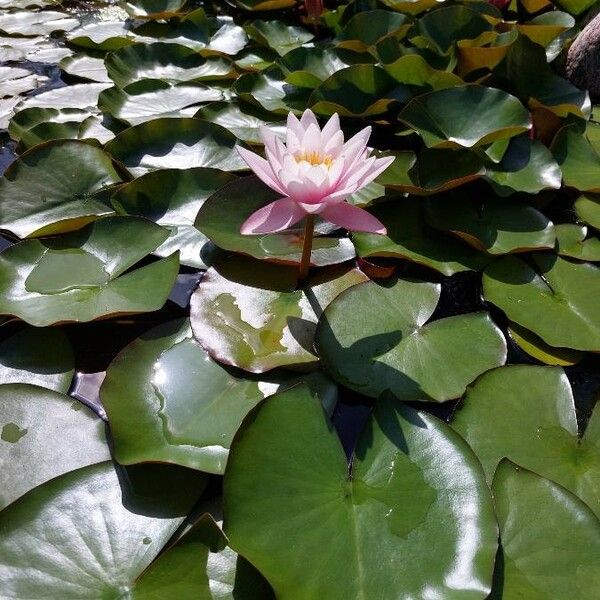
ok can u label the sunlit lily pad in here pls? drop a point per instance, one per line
(44, 434)
(175, 210)
(260, 328)
(573, 241)
(444, 118)
(32, 23)
(35, 49)
(534, 425)
(556, 298)
(80, 95)
(394, 518)
(393, 348)
(153, 8)
(277, 35)
(153, 98)
(414, 70)
(55, 187)
(87, 67)
(543, 529)
(41, 357)
(81, 276)
(410, 237)
(169, 62)
(485, 51)
(176, 143)
(221, 217)
(16, 80)
(93, 532)
(493, 225)
(183, 407)
(105, 35)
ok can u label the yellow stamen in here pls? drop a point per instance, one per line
(315, 158)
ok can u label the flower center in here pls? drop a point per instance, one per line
(315, 158)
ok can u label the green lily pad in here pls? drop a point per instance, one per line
(534, 425)
(535, 347)
(222, 215)
(104, 36)
(433, 171)
(44, 434)
(393, 348)
(87, 67)
(83, 536)
(244, 121)
(544, 28)
(493, 225)
(264, 4)
(367, 28)
(169, 62)
(394, 519)
(181, 143)
(556, 298)
(153, 9)
(409, 237)
(576, 7)
(587, 208)
(41, 357)
(277, 35)
(55, 187)
(176, 211)
(579, 161)
(80, 276)
(527, 166)
(358, 91)
(260, 328)
(32, 23)
(572, 241)
(413, 69)
(543, 529)
(153, 98)
(183, 407)
(444, 118)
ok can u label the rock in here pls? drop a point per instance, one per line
(583, 59)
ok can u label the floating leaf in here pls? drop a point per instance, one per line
(396, 519)
(169, 62)
(547, 26)
(587, 208)
(32, 23)
(494, 225)
(105, 36)
(15, 81)
(43, 434)
(189, 420)
(55, 187)
(221, 217)
(41, 357)
(576, 7)
(80, 276)
(260, 328)
(555, 298)
(543, 529)
(534, 425)
(444, 118)
(277, 35)
(410, 238)
(82, 536)
(176, 211)
(572, 242)
(155, 9)
(83, 66)
(264, 4)
(82, 95)
(393, 348)
(367, 28)
(176, 143)
(414, 70)
(579, 161)
(485, 51)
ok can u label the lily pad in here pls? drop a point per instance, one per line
(414, 70)
(534, 425)
(32, 23)
(244, 121)
(543, 528)
(222, 215)
(153, 98)
(41, 357)
(81, 536)
(366, 28)
(260, 328)
(578, 160)
(587, 208)
(277, 35)
(444, 118)
(176, 211)
(81, 95)
(183, 407)
(80, 276)
(15, 81)
(390, 522)
(493, 225)
(104, 36)
(573, 241)
(176, 143)
(55, 187)
(169, 62)
(154, 9)
(409, 237)
(44, 434)
(393, 348)
(87, 67)
(555, 298)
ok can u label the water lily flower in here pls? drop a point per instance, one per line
(314, 171)
(314, 8)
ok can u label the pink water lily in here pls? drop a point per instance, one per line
(314, 171)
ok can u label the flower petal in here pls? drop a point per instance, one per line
(352, 218)
(378, 167)
(261, 168)
(277, 216)
(308, 118)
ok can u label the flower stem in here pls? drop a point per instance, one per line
(309, 230)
